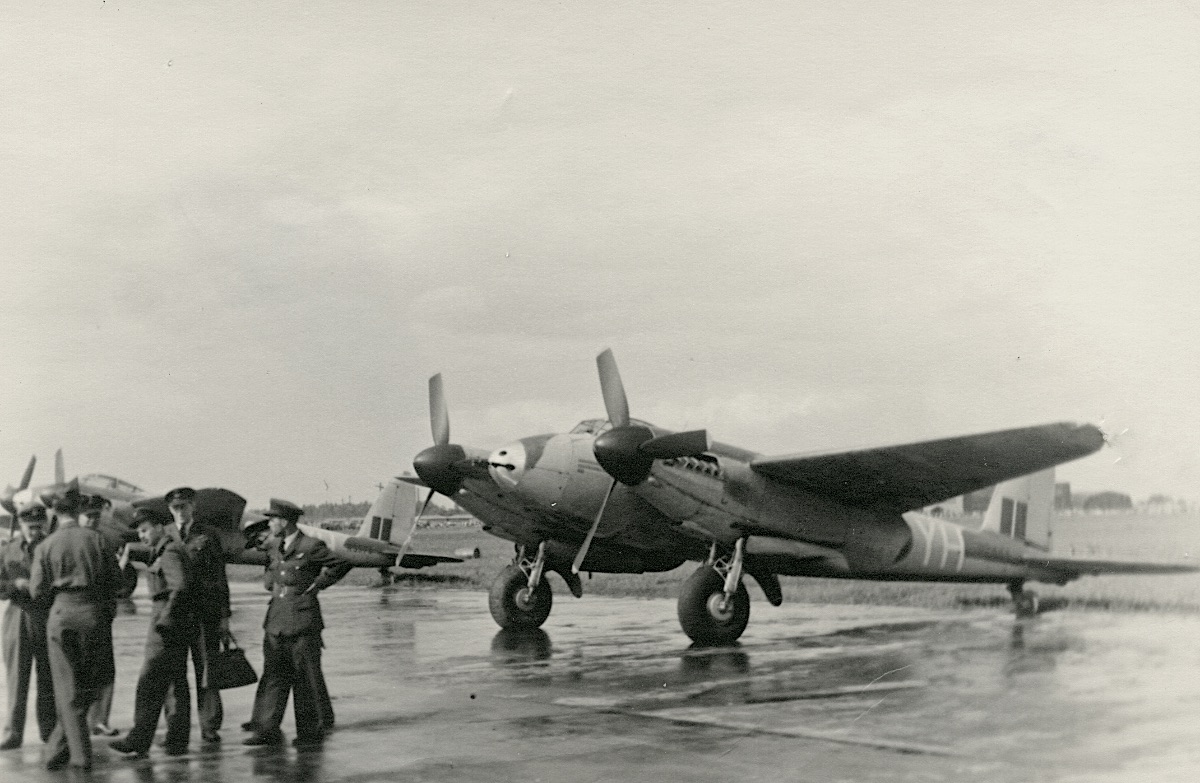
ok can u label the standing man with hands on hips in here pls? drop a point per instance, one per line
(300, 567)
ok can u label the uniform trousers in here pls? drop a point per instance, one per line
(291, 665)
(80, 664)
(24, 641)
(165, 666)
(102, 707)
(204, 642)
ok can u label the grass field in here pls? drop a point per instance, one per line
(1128, 536)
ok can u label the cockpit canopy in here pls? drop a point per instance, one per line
(597, 426)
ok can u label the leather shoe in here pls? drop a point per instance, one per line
(208, 735)
(10, 743)
(126, 748)
(249, 726)
(308, 743)
(176, 750)
(264, 738)
(104, 730)
(58, 761)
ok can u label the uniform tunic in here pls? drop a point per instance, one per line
(24, 640)
(72, 571)
(292, 636)
(166, 640)
(209, 601)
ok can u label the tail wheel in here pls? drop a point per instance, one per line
(514, 605)
(1026, 604)
(129, 579)
(705, 615)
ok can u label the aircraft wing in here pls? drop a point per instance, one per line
(900, 478)
(411, 559)
(412, 480)
(1086, 566)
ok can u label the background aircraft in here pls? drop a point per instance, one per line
(619, 495)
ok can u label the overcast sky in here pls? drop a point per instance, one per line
(237, 239)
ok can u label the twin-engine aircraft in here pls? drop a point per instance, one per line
(619, 495)
(382, 541)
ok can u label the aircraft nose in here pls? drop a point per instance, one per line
(507, 464)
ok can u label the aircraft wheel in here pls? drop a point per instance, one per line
(511, 603)
(1026, 604)
(129, 580)
(703, 612)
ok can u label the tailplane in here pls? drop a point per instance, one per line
(391, 516)
(1022, 508)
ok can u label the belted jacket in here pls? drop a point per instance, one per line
(294, 575)
(167, 581)
(16, 562)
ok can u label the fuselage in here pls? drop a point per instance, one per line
(551, 488)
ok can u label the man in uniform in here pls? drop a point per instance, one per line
(73, 571)
(167, 638)
(210, 608)
(91, 512)
(24, 631)
(300, 567)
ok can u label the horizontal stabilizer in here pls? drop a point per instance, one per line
(1082, 566)
(914, 475)
(410, 560)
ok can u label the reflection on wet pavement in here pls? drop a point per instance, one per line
(425, 687)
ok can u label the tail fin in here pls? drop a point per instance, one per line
(1021, 508)
(60, 472)
(391, 515)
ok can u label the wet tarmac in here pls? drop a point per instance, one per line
(427, 689)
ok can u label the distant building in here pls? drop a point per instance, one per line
(1107, 501)
(1062, 496)
(947, 508)
(977, 502)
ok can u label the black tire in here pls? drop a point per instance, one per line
(129, 579)
(510, 608)
(1026, 604)
(699, 611)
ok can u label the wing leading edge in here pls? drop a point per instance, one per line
(913, 475)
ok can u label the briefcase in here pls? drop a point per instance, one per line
(229, 668)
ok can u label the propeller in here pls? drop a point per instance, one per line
(7, 500)
(438, 465)
(413, 528)
(627, 451)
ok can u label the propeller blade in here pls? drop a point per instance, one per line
(613, 390)
(411, 530)
(60, 473)
(28, 475)
(439, 417)
(587, 542)
(679, 444)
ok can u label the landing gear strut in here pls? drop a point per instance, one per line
(520, 597)
(1025, 602)
(714, 606)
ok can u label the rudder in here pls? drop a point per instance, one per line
(390, 516)
(1022, 508)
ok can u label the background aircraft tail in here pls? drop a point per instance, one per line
(1022, 508)
(391, 515)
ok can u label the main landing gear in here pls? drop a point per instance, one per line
(521, 597)
(714, 606)
(1025, 602)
